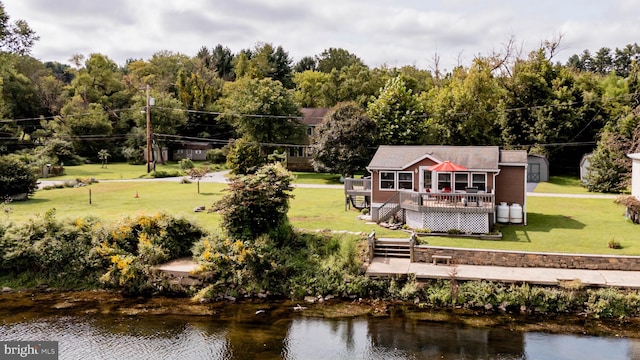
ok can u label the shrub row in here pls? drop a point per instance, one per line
(85, 253)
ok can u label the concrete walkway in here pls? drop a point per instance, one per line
(382, 267)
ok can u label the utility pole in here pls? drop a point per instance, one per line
(148, 111)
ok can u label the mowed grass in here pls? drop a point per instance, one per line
(311, 209)
(565, 225)
(116, 171)
(554, 224)
(562, 185)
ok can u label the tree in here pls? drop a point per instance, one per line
(336, 58)
(465, 110)
(256, 204)
(397, 115)
(104, 156)
(263, 111)
(345, 140)
(15, 37)
(88, 126)
(244, 156)
(306, 63)
(16, 178)
(310, 87)
(198, 173)
(610, 168)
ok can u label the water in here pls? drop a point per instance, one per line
(168, 337)
(96, 325)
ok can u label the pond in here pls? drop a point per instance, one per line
(277, 331)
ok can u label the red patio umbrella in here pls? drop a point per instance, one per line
(447, 166)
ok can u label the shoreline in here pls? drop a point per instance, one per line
(30, 305)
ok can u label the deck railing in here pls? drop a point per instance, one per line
(419, 201)
(357, 185)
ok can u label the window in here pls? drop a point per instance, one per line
(198, 151)
(479, 181)
(387, 180)
(310, 131)
(426, 180)
(444, 181)
(296, 151)
(405, 180)
(462, 181)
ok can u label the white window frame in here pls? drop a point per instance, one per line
(473, 183)
(455, 181)
(392, 181)
(438, 180)
(426, 183)
(405, 181)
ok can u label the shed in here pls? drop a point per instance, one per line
(537, 168)
(585, 163)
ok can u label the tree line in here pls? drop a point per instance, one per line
(58, 113)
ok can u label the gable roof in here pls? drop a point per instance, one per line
(399, 157)
(313, 116)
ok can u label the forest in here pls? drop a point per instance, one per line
(54, 113)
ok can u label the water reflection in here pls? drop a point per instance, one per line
(273, 337)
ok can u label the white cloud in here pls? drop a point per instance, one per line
(396, 33)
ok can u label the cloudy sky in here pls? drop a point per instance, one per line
(389, 32)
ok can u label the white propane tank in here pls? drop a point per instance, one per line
(503, 213)
(515, 213)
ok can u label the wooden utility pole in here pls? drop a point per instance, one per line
(148, 112)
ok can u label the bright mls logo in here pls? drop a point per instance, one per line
(34, 350)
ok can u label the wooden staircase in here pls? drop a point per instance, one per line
(391, 247)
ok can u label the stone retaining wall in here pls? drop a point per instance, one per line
(422, 253)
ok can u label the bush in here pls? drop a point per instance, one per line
(51, 250)
(16, 178)
(186, 164)
(256, 204)
(216, 156)
(130, 247)
(166, 174)
(244, 157)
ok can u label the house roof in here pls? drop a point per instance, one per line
(313, 116)
(394, 157)
(513, 157)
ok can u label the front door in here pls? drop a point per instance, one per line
(425, 180)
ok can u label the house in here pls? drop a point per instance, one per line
(191, 150)
(585, 163)
(537, 168)
(298, 158)
(445, 188)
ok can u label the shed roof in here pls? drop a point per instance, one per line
(399, 157)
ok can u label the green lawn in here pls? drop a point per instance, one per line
(563, 225)
(554, 224)
(115, 171)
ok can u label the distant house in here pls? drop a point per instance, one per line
(298, 157)
(538, 168)
(585, 164)
(444, 188)
(191, 150)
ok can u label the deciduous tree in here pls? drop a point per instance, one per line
(256, 204)
(398, 115)
(345, 140)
